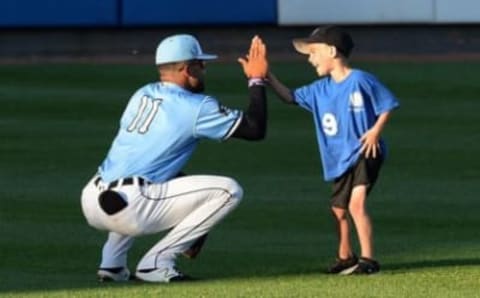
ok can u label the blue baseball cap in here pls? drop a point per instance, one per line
(182, 47)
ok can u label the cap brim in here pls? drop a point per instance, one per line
(206, 57)
(301, 45)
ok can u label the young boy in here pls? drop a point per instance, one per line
(350, 108)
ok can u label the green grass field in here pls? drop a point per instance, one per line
(57, 122)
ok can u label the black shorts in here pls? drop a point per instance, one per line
(364, 172)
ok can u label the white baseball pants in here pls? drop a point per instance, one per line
(190, 206)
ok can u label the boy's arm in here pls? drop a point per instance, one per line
(282, 91)
(370, 139)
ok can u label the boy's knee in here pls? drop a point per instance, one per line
(356, 209)
(339, 213)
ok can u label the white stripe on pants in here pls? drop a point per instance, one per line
(190, 206)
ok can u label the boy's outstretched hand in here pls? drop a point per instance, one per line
(255, 64)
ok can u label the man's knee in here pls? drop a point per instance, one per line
(235, 189)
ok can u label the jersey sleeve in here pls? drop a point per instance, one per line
(215, 121)
(303, 96)
(382, 99)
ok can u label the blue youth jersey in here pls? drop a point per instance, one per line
(160, 129)
(342, 113)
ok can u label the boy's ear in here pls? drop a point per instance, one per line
(333, 51)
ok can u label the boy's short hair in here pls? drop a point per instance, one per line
(331, 35)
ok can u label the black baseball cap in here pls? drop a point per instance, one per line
(331, 35)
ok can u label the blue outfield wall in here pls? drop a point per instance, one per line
(192, 12)
(58, 13)
(127, 13)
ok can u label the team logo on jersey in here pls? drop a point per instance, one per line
(223, 109)
(356, 101)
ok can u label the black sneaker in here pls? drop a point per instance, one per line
(367, 266)
(344, 266)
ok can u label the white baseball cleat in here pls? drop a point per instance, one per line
(121, 274)
(162, 275)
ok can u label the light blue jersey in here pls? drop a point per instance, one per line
(160, 129)
(342, 113)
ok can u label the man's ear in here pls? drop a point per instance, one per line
(182, 69)
(189, 70)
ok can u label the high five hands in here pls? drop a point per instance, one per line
(255, 64)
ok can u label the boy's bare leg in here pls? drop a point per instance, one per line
(343, 232)
(363, 224)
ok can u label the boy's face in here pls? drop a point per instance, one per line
(321, 57)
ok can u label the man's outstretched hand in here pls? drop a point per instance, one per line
(255, 64)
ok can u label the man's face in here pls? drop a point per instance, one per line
(321, 55)
(196, 71)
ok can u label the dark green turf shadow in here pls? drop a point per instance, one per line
(432, 264)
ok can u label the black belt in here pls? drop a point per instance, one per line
(125, 181)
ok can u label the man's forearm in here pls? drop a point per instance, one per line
(254, 121)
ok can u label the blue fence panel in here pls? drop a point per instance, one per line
(54, 13)
(198, 12)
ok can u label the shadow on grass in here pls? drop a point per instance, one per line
(431, 264)
(392, 268)
(89, 282)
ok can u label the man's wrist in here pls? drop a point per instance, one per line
(256, 82)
